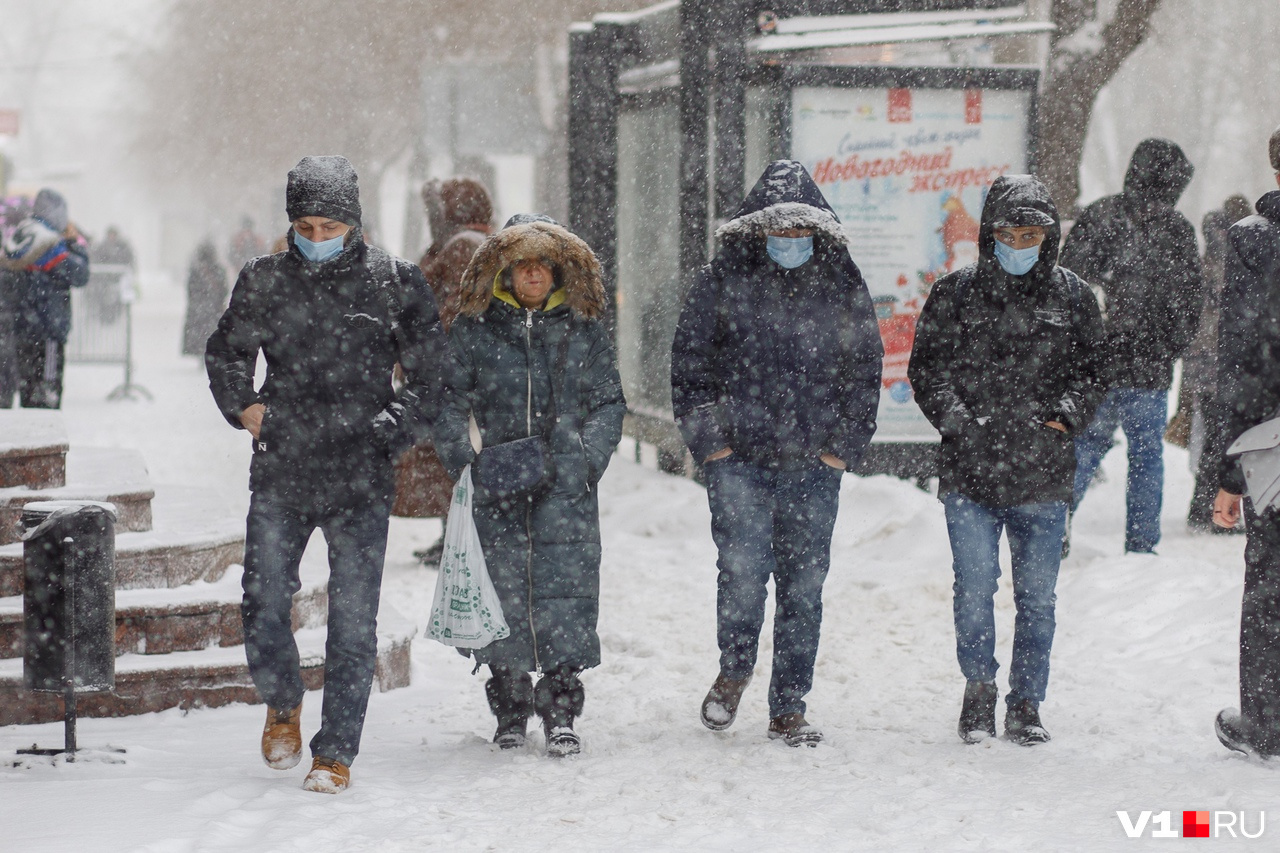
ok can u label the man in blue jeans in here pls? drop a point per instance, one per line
(775, 383)
(1005, 366)
(1142, 254)
(332, 316)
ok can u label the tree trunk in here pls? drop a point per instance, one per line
(1074, 81)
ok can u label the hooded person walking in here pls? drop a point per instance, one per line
(332, 316)
(533, 363)
(1142, 253)
(46, 257)
(775, 384)
(1006, 367)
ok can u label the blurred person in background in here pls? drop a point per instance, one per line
(1197, 394)
(206, 298)
(461, 217)
(46, 257)
(245, 245)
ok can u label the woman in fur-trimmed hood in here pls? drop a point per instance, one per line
(532, 358)
(775, 383)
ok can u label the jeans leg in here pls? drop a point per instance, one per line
(975, 548)
(1035, 543)
(1143, 415)
(1092, 445)
(741, 501)
(805, 507)
(275, 538)
(357, 546)
(1260, 630)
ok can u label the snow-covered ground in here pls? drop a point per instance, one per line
(1145, 656)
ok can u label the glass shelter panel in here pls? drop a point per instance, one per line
(907, 171)
(650, 294)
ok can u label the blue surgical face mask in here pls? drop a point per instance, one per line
(318, 252)
(1017, 261)
(789, 252)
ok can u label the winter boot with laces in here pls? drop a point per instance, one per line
(1022, 723)
(510, 697)
(978, 714)
(720, 707)
(282, 738)
(327, 776)
(558, 699)
(793, 730)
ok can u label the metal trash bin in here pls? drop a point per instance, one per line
(68, 599)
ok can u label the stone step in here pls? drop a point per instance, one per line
(189, 618)
(205, 679)
(191, 539)
(105, 474)
(33, 448)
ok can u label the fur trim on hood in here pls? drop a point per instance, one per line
(785, 197)
(576, 267)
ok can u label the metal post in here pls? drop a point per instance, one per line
(69, 653)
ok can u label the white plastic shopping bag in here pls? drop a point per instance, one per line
(466, 612)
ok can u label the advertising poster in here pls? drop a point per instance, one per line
(907, 172)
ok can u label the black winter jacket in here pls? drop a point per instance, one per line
(779, 365)
(997, 356)
(1142, 253)
(1249, 331)
(550, 373)
(331, 333)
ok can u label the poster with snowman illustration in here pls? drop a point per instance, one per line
(907, 171)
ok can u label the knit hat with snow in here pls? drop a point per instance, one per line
(1275, 149)
(323, 186)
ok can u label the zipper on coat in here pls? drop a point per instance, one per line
(528, 512)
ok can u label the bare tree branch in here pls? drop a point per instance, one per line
(1076, 77)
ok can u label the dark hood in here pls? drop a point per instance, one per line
(785, 197)
(1158, 171)
(1020, 200)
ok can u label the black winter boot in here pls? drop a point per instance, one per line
(1022, 723)
(558, 699)
(510, 697)
(978, 714)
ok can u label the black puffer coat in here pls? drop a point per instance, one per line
(997, 356)
(1142, 253)
(549, 372)
(1249, 331)
(780, 365)
(331, 333)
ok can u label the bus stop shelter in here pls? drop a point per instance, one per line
(904, 112)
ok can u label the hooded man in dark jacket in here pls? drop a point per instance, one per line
(332, 316)
(1142, 253)
(44, 259)
(775, 383)
(533, 358)
(1005, 366)
(1249, 394)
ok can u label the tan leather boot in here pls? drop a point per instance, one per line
(720, 707)
(327, 776)
(282, 738)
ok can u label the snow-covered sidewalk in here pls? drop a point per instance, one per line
(1145, 656)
